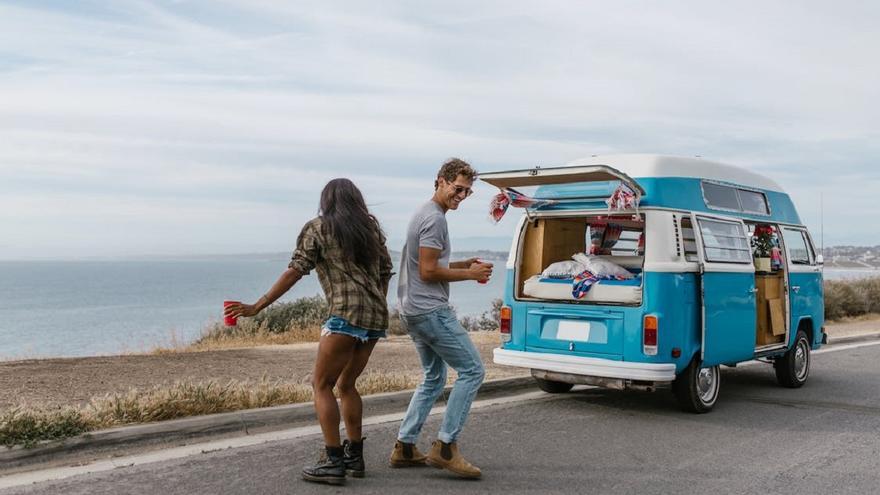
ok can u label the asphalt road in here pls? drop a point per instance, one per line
(761, 438)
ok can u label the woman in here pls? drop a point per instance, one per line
(347, 247)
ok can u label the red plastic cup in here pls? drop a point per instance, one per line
(484, 281)
(229, 321)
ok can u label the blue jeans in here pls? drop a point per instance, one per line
(441, 340)
(336, 324)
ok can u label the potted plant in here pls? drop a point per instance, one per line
(762, 239)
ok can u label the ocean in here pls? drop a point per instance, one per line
(85, 308)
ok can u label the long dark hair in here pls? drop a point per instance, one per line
(347, 219)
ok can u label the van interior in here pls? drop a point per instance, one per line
(620, 239)
(617, 239)
(770, 298)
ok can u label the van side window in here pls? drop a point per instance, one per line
(720, 197)
(753, 202)
(729, 198)
(796, 243)
(724, 242)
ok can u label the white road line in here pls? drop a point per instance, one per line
(828, 348)
(845, 347)
(230, 443)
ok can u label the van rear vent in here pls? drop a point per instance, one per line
(677, 236)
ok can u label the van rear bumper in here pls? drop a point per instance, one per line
(578, 365)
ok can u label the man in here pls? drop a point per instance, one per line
(423, 294)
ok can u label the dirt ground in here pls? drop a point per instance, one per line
(74, 381)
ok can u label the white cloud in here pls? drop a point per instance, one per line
(200, 114)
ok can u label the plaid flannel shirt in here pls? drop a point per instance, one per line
(354, 293)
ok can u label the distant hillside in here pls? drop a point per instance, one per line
(852, 256)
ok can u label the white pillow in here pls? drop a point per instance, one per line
(601, 267)
(563, 269)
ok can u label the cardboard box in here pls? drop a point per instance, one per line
(769, 287)
(777, 316)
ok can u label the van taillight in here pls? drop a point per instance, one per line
(504, 324)
(649, 335)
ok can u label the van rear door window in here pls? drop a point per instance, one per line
(724, 242)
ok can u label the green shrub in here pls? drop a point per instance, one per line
(20, 426)
(850, 298)
(488, 321)
(301, 313)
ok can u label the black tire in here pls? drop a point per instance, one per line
(552, 387)
(697, 388)
(793, 368)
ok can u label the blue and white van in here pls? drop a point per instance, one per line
(694, 297)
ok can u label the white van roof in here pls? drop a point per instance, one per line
(647, 165)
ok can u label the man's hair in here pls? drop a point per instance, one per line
(452, 169)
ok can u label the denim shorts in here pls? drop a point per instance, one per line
(341, 326)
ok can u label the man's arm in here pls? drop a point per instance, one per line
(463, 263)
(430, 269)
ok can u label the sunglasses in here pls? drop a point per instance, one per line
(462, 189)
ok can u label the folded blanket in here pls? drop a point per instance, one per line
(585, 280)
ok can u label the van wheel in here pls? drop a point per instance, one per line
(696, 388)
(793, 368)
(552, 387)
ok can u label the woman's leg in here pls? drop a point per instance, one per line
(334, 353)
(352, 407)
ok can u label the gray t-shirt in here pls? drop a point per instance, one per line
(427, 228)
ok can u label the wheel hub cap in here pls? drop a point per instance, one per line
(706, 384)
(801, 360)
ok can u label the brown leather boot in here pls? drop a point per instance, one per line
(446, 456)
(406, 455)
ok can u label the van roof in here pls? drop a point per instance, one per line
(637, 165)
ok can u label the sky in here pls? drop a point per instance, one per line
(131, 128)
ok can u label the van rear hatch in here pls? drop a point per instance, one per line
(568, 183)
(556, 327)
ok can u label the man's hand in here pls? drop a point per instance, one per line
(480, 270)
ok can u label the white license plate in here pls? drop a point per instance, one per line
(578, 331)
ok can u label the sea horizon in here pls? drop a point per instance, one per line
(90, 308)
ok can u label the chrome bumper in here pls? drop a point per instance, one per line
(577, 365)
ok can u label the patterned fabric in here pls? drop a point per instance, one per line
(353, 293)
(584, 282)
(623, 198)
(509, 197)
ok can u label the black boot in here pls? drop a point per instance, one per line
(354, 458)
(329, 469)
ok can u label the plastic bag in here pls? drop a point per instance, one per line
(601, 267)
(563, 269)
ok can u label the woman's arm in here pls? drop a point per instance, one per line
(281, 286)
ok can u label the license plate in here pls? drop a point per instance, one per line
(578, 331)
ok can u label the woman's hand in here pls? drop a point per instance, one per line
(237, 310)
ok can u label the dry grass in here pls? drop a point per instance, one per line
(28, 426)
